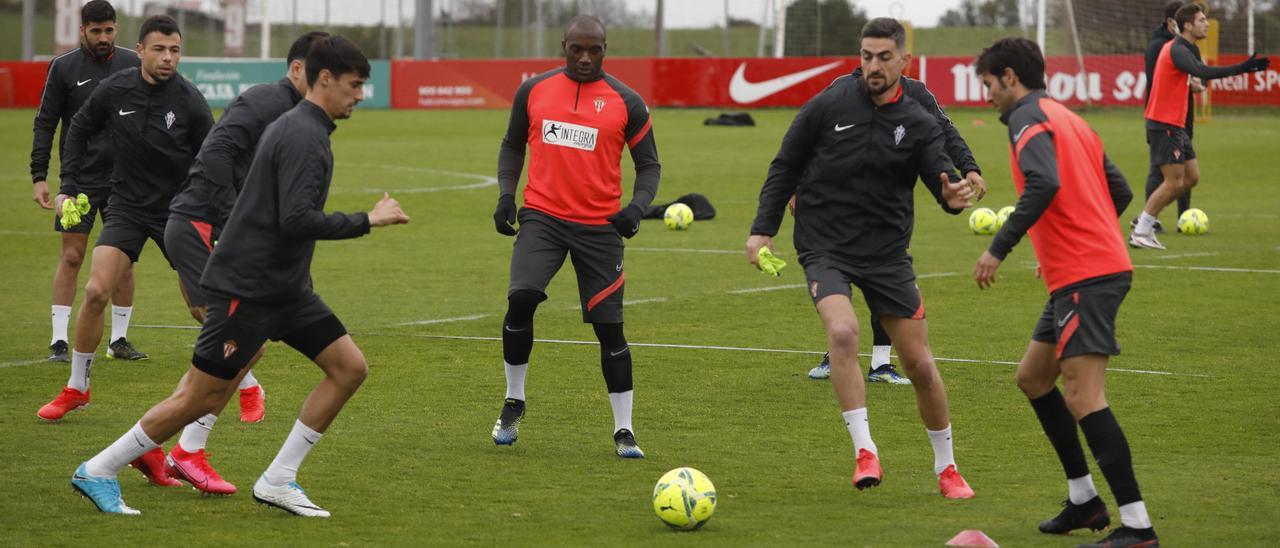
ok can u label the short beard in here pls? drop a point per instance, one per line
(880, 91)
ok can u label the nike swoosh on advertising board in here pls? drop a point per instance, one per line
(742, 91)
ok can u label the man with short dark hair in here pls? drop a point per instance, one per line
(71, 80)
(1070, 195)
(259, 283)
(575, 121)
(1165, 32)
(851, 159)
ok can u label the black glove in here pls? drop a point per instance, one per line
(1256, 64)
(504, 217)
(627, 221)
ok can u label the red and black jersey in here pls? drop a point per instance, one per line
(575, 132)
(1069, 194)
(1174, 68)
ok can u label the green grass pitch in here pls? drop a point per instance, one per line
(410, 461)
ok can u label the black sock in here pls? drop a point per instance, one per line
(517, 327)
(1184, 202)
(615, 357)
(1111, 450)
(879, 336)
(1060, 427)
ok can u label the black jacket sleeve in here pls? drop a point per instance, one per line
(1117, 186)
(237, 135)
(300, 171)
(52, 103)
(788, 167)
(201, 122)
(644, 153)
(956, 147)
(1038, 162)
(511, 153)
(932, 161)
(88, 121)
(1187, 62)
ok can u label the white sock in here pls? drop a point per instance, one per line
(81, 362)
(879, 355)
(621, 403)
(1081, 489)
(249, 381)
(943, 456)
(1134, 515)
(130, 446)
(284, 469)
(120, 321)
(196, 435)
(61, 317)
(1146, 224)
(859, 429)
(515, 380)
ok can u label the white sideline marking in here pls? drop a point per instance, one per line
(644, 301)
(1181, 255)
(21, 363)
(447, 320)
(686, 250)
(484, 180)
(794, 286)
(1209, 268)
(161, 326)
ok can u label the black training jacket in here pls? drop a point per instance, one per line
(957, 148)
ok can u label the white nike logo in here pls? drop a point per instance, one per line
(618, 353)
(123, 113)
(1018, 136)
(840, 128)
(509, 330)
(78, 84)
(742, 91)
(1064, 319)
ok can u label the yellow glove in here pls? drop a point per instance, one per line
(769, 264)
(73, 210)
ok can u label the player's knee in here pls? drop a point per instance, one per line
(96, 296)
(352, 374)
(1192, 181)
(843, 335)
(72, 258)
(1031, 384)
(521, 304)
(922, 371)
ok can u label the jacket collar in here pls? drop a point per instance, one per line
(287, 84)
(319, 114)
(1028, 98)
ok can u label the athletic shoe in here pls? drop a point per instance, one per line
(1158, 228)
(625, 445)
(252, 404)
(886, 373)
(952, 484)
(67, 401)
(1092, 514)
(868, 473)
(194, 468)
(122, 350)
(823, 370)
(103, 492)
(1125, 537)
(290, 498)
(507, 428)
(59, 352)
(1148, 241)
(152, 465)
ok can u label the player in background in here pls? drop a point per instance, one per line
(851, 158)
(1070, 195)
(880, 369)
(1161, 36)
(259, 283)
(1166, 116)
(72, 78)
(575, 121)
(196, 216)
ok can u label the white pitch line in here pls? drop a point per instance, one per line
(644, 301)
(1209, 268)
(794, 286)
(447, 320)
(1182, 255)
(161, 326)
(21, 363)
(26, 233)
(687, 250)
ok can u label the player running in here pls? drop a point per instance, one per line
(1070, 195)
(196, 217)
(72, 78)
(851, 158)
(1166, 116)
(575, 121)
(259, 285)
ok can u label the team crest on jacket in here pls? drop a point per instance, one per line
(898, 133)
(599, 104)
(168, 120)
(228, 348)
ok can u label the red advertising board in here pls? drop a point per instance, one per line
(21, 83)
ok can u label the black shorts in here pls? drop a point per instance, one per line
(189, 244)
(596, 251)
(1081, 318)
(98, 198)
(1170, 145)
(129, 233)
(234, 330)
(888, 286)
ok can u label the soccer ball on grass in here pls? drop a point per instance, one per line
(678, 216)
(684, 499)
(982, 221)
(1193, 222)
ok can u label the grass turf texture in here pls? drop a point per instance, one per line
(410, 460)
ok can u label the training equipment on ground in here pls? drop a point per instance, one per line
(1193, 222)
(684, 499)
(982, 221)
(1002, 216)
(972, 538)
(678, 216)
(769, 263)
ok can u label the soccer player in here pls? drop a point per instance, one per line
(1166, 116)
(881, 370)
(196, 217)
(1070, 195)
(851, 158)
(72, 78)
(1161, 36)
(259, 285)
(575, 120)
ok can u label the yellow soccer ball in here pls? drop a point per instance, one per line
(982, 221)
(1002, 216)
(678, 216)
(1193, 222)
(684, 499)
